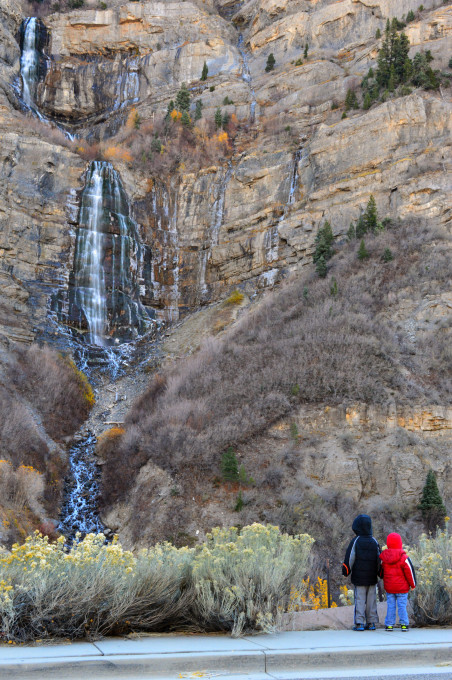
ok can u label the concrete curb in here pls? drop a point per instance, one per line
(257, 663)
(346, 658)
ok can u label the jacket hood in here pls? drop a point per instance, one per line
(394, 541)
(392, 555)
(362, 525)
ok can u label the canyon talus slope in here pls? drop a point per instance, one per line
(248, 218)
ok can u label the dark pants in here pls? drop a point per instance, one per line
(366, 604)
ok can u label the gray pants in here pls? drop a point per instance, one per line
(366, 604)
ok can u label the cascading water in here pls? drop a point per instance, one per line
(89, 271)
(29, 60)
(271, 239)
(103, 301)
(214, 232)
(246, 76)
(32, 61)
(81, 495)
(33, 65)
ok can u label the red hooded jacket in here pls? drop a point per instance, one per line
(398, 572)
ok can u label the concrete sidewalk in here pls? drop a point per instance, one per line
(283, 655)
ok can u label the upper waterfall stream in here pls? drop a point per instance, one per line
(30, 60)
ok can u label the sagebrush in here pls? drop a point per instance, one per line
(235, 582)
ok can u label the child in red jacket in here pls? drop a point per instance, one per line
(398, 577)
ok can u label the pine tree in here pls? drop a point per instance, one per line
(401, 51)
(367, 103)
(321, 267)
(371, 215)
(185, 120)
(392, 80)
(205, 71)
(137, 121)
(183, 99)
(351, 233)
(239, 504)
(360, 227)
(410, 16)
(169, 109)
(378, 33)
(387, 255)
(218, 118)
(324, 243)
(432, 505)
(229, 466)
(362, 251)
(225, 120)
(305, 52)
(270, 62)
(351, 102)
(198, 110)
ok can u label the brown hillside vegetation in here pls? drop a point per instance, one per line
(306, 345)
(43, 399)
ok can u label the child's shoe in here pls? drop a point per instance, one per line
(389, 627)
(370, 626)
(404, 628)
(359, 626)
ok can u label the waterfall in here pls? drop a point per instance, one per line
(214, 232)
(246, 76)
(127, 83)
(88, 266)
(31, 59)
(295, 179)
(33, 67)
(271, 237)
(81, 494)
(102, 300)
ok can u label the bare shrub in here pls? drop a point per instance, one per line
(273, 478)
(57, 390)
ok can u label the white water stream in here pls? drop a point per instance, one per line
(246, 76)
(81, 494)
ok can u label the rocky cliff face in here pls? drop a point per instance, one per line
(248, 224)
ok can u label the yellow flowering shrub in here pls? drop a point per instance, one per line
(432, 558)
(92, 590)
(235, 581)
(309, 596)
(243, 580)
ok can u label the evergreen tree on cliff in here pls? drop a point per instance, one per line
(324, 243)
(205, 71)
(183, 99)
(432, 505)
